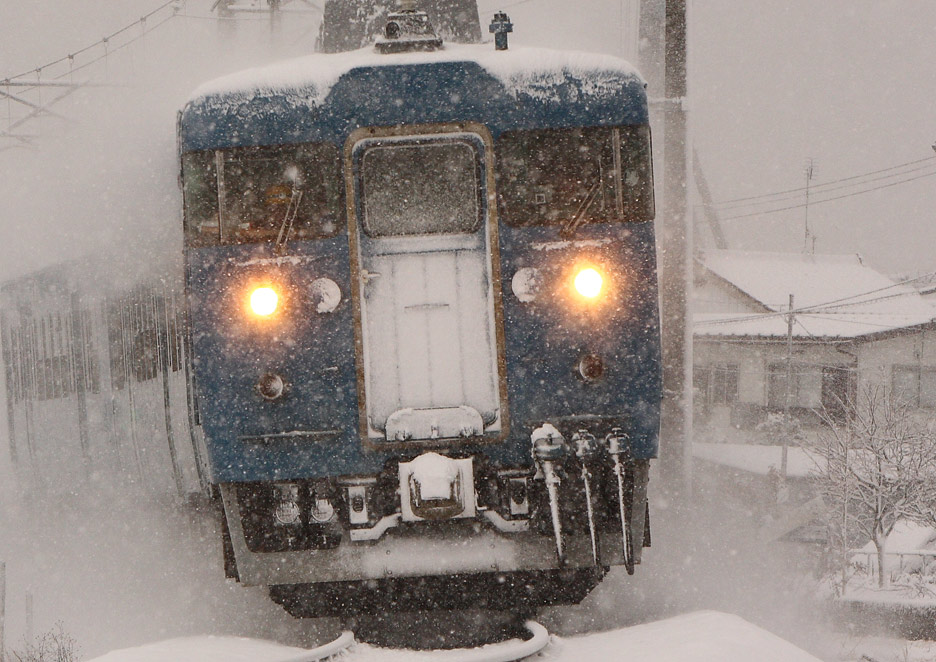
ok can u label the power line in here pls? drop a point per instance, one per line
(826, 187)
(833, 198)
(816, 310)
(801, 189)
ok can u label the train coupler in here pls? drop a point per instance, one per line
(549, 449)
(586, 450)
(616, 444)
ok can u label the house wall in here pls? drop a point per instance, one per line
(875, 360)
(739, 420)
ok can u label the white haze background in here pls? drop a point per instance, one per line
(849, 82)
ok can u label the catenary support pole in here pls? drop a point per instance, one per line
(29, 617)
(663, 40)
(2, 610)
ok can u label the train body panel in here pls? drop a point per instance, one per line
(456, 370)
(96, 386)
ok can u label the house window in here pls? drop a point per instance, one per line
(916, 385)
(838, 391)
(717, 384)
(805, 389)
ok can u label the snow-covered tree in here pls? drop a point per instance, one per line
(875, 466)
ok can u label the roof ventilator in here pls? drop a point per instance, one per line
(408, 30)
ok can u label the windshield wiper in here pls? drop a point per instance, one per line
(292, 209)
(580, 215)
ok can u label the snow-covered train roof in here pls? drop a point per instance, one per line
(325, 96)
(519, 69)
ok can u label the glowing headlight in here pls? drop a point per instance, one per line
(263, 301)
(588, 283)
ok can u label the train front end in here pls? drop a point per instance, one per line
(422, 299)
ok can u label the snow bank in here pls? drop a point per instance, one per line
(205, 649)
(757, 458)
(704, 636)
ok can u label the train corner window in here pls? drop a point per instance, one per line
(200, 198)
(575, 176)
(262, 194)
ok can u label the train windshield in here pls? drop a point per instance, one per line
(418, 186)
(261, 194)
(570, 177)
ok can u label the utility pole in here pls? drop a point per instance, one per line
(810, 170)
(2, 610)
(663, 26)
(789, 390)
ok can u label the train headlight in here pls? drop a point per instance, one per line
(588, 282)
(325, 294)
(322, 511)
(264, 301)
(287, 510)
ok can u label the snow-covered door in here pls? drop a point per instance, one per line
(425, 287)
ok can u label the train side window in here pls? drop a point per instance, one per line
(263, 194)
(574, 176)
(89, 370)
(118, 360)
(146, 353)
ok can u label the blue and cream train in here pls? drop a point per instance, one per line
(414, 346)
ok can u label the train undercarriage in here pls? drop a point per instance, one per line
(441, 532)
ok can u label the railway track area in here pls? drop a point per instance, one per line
(705, 636)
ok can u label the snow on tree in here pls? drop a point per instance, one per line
(875, 465)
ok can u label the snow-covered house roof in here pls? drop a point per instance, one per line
(834, 296)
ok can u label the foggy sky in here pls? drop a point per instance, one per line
(850, 83)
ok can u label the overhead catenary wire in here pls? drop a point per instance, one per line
(100, 42)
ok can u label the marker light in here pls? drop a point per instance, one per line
(526, 284)
(263, 301)
(588, 283)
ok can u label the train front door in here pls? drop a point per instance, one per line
(425, 287)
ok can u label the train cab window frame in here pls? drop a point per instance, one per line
(574, 176)
(400, 179)
(249, 195)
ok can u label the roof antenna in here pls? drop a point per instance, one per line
(500, 26)
(408, 29)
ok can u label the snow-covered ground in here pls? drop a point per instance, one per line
(124, 570)
(705, 636)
